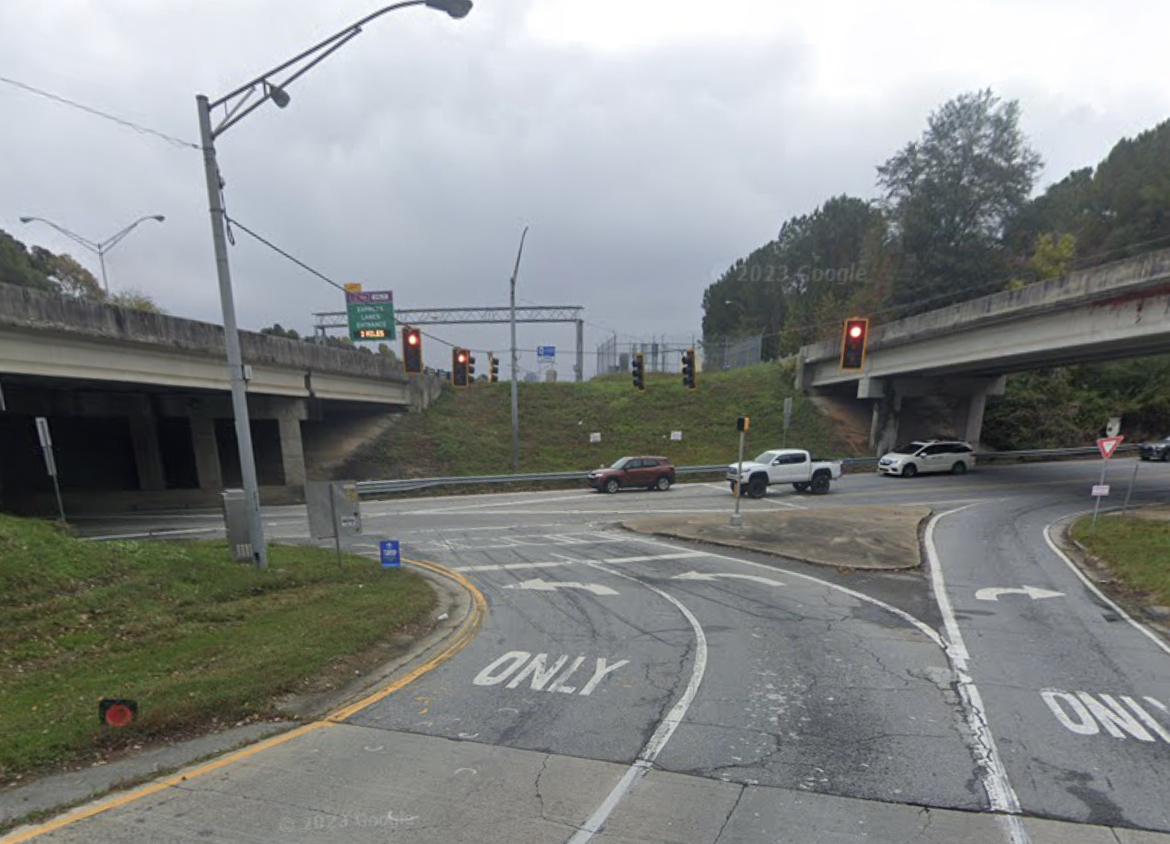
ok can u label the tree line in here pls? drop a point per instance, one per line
(39, 269)
(955, 218)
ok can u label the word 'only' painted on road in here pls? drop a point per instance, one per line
(521, 666)
(1121, 716)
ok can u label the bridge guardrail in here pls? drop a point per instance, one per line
(369, 489)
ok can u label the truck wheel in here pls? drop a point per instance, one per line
(820, 483)
(800, 486)
(757, 487)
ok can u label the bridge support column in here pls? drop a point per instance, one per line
(147, 452)
(203, 442)
(292, 448)
(970, 407)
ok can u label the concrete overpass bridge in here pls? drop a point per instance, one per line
(964, 352)
(140, 411)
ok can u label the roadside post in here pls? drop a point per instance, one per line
(1106, 445)
(742, 424)
(1132, 484)
(334, 511)
(50, 461)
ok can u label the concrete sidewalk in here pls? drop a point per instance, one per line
(877, 538)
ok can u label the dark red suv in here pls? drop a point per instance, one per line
(648, 472)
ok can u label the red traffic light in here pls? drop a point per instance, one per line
(855, 331)
(412, 339)
(462, 357)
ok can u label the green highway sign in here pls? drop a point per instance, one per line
(371, 314)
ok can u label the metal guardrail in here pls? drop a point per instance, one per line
(367, 489)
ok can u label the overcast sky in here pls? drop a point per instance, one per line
(647, 143)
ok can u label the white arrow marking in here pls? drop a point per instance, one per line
(698, 575)
(538, 585)
(1036, 594)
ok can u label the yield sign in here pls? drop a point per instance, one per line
(1108, 445)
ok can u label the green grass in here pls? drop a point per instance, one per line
(468, 432)
(1136, 550)
(196, 639)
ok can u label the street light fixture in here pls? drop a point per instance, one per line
(233, 105)
(101, 247)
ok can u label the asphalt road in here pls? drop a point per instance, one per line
(627, 689)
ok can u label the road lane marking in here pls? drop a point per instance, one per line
(918, 625)
(1000, 794)
(698, 575)
(568, 561)
(991, 593)
(1141, 628)
(538, 585)
(665, 729)
(1085, 714)
(522, 665)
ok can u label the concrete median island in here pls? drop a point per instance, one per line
(874, 538)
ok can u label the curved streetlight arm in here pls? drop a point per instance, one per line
(88, 244)
(110, 242)
(270, 90)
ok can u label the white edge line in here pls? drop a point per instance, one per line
(1000, 794)
(922, 627)
(665, 728)
(1093, 587)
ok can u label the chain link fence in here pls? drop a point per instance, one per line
(720, 354)
(661, 354)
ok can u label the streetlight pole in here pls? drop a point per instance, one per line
(100, 247)
(234, 111)
(515, 400)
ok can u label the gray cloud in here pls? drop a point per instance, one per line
(413, 158)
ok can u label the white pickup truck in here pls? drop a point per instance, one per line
(783, 466)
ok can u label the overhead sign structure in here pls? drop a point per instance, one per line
(370, 314)
(1108, 445)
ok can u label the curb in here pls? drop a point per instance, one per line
(319, 711)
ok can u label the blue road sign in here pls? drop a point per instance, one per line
(391, 558)
(546, 351)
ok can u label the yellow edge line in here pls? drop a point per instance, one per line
(461, 639)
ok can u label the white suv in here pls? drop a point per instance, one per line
(928, 456)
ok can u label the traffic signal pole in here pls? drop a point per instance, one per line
(515, 402)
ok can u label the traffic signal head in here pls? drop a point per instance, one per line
(688, 368)
(853, 343)
(470, 366)
(412, 350)
(459, 366)
(493, 368)
(638, 369)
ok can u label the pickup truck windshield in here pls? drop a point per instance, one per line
(766, 457)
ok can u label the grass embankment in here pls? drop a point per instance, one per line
(196, 639)
(1137, 551)
(468, 432)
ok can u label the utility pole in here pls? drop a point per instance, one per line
(515, 401)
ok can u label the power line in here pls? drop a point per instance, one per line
(145, 130)
(281, 252)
